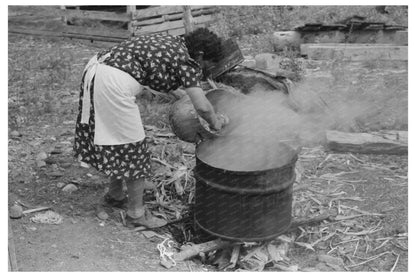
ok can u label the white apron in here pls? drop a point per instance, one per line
(117, 116)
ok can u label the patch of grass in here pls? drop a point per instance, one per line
(38, 72)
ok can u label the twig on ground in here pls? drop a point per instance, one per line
(323, 238)
(36, 210)
(356, 248)
(398, 245)
(361, 211)
(308, 221)
(395, 263)
(370, 259)
(123, 218)
(326, 158)
(365, 232)
(347, 241)
(348, 217)
(24, 204)
(163, 163)
(234, 255)
(345, 198)
(357, 159)
(382, 244)
(315, 200)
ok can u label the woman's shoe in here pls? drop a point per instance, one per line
(147, 220)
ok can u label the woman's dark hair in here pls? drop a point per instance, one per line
(206, 41)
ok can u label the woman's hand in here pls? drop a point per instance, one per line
(221, 121)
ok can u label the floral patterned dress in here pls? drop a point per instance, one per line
(161, 62)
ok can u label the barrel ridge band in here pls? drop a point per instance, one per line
(284, 186)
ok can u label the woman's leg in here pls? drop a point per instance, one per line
(115, 190)
(136, 212)
(135, 207)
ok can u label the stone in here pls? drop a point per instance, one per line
(267, 61)
(56, 151)
(60, 185)
(16, 211)
(41, 156)
(70, 188)
(56, 174)
(40, 164)
(166, 263)
(102, 215)
(330, 260)
(65, 165)
(15, 134)
(322, 267)
(84, 165)
(286, 40)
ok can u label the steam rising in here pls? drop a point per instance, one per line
(267, 128)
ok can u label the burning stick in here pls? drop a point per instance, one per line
(192, 251)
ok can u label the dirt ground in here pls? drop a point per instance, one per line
(367, 192)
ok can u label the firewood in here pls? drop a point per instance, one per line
(191, 251)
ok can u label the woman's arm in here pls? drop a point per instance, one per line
(204, 107)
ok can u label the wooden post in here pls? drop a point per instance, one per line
(188, 19)
(130, 11)
(12, 251)
(63, 18)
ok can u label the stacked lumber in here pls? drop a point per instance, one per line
(382, 142)
(94, 15)
(354, 51)
(168, 19)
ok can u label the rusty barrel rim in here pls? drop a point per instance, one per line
(248, 172)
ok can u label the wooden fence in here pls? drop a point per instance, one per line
(169, 19)
(154, 19)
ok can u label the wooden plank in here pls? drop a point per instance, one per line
(172, 25)
(162, 10)
(174, 32)
(65, 35)
(401, 38)
(109, 16)
(383, 142)
(172, 17)
(12, 251)
(354, 52)
(118, 34)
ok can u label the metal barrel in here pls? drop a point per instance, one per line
(244, 205)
